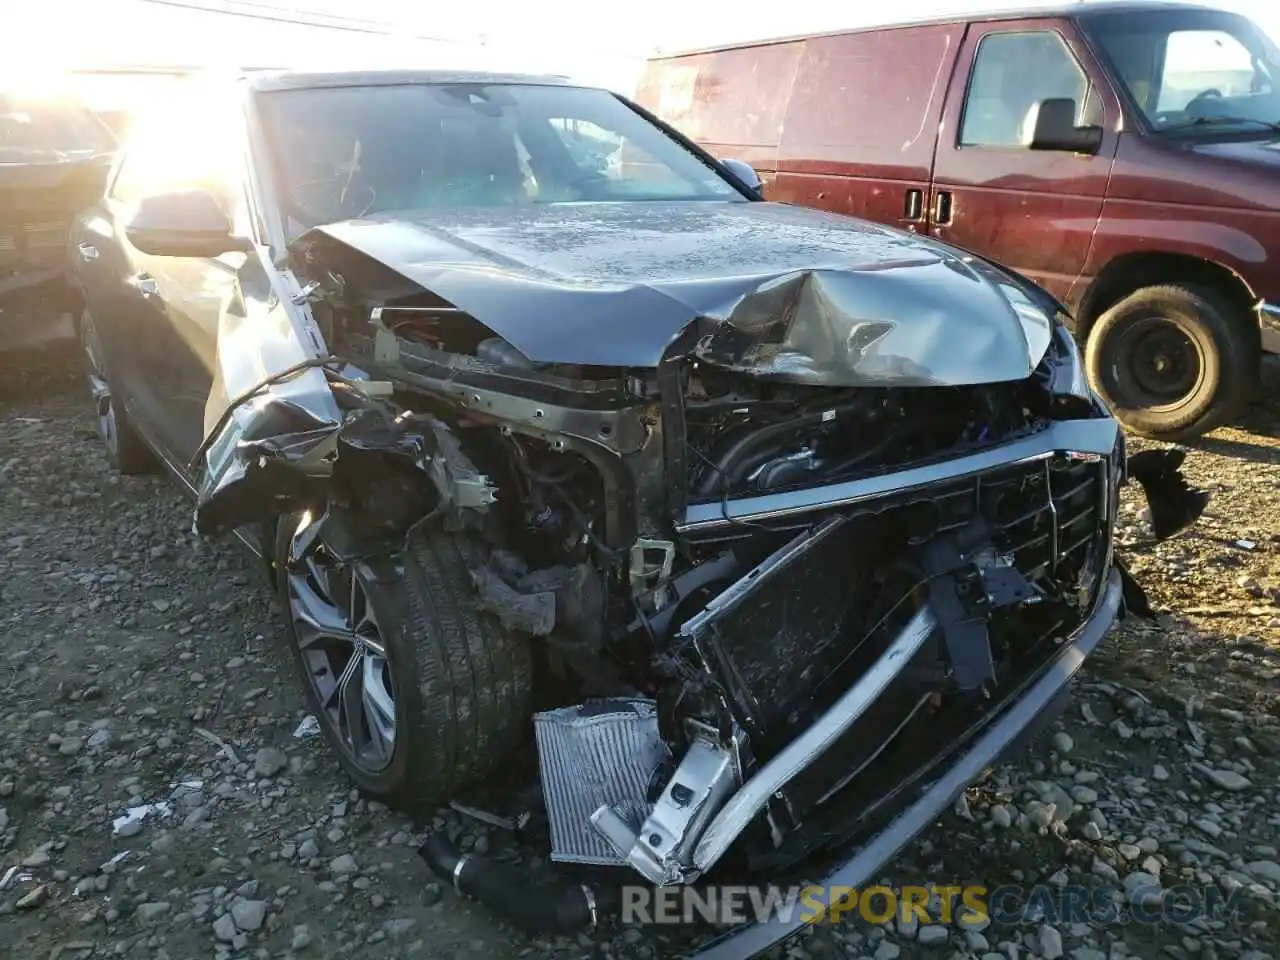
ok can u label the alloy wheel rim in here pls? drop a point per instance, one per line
(99, 387)
(342, 648)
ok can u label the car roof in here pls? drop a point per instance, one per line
(1065, 9)
(264, 81)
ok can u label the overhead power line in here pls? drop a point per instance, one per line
(250, 10)
(270, 14)
(294, 11)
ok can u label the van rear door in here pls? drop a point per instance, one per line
(862, 122)
(1036, 211)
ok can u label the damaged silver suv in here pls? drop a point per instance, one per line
(752, 533)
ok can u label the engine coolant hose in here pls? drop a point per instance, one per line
(741, 457)
(562, 908)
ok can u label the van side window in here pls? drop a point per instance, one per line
(1012, 72)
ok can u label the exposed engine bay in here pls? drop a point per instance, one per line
(771, 606)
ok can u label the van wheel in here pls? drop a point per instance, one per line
(1172, 362)
(419, 692)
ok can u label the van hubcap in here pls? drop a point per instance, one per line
(1163, 364)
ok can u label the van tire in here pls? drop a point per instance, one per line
(1173, 362)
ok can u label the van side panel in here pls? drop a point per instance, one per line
(862, 121)
(1191, 201)
(729, 102)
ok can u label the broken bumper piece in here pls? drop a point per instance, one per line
(1003, 733)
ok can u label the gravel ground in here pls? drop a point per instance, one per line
(139, 665)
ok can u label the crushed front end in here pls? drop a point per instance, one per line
(790, 606)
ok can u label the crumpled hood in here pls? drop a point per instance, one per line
(790, 292)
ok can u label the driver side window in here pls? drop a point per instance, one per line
(1012, 73)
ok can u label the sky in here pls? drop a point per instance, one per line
(590, 41)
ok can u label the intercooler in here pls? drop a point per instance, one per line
(600, 753)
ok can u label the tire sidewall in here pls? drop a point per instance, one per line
(383, 581)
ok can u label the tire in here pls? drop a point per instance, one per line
(127, 452)
(1173, 362)
(461, 684)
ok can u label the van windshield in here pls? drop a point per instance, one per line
(345, 152)
(1198, 73)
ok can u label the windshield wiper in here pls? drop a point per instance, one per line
(1217, 119)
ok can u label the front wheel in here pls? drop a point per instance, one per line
(419, 692)
(1172, 362)
(126, 451)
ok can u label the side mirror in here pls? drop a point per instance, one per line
(182, 223)
(1053, 127)
(746, 173)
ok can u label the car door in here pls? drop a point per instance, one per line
(105, 264)
(1035, 211)
(166, 310)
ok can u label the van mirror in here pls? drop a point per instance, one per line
(1053, 127)
(746, 173)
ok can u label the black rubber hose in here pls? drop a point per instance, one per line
(724, 468)
(558, 909)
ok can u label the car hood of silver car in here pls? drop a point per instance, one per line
(768, 289)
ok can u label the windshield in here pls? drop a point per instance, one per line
(1199, 72)
(345, 152)
(48, 128)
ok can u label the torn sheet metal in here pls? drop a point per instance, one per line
(272, 455)
(783, 291)
(276, 457)
(309, 727)
(282, 417)
(266, 408)
(510, 824)
(284, 420)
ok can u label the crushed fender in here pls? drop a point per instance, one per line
(274, 456)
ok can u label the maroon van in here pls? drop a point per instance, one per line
(1124, 156)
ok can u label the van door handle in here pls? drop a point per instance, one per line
(942, 208)
(87, 252)
(145, 284)
(915, 205)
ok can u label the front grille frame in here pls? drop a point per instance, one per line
(1066, 541)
